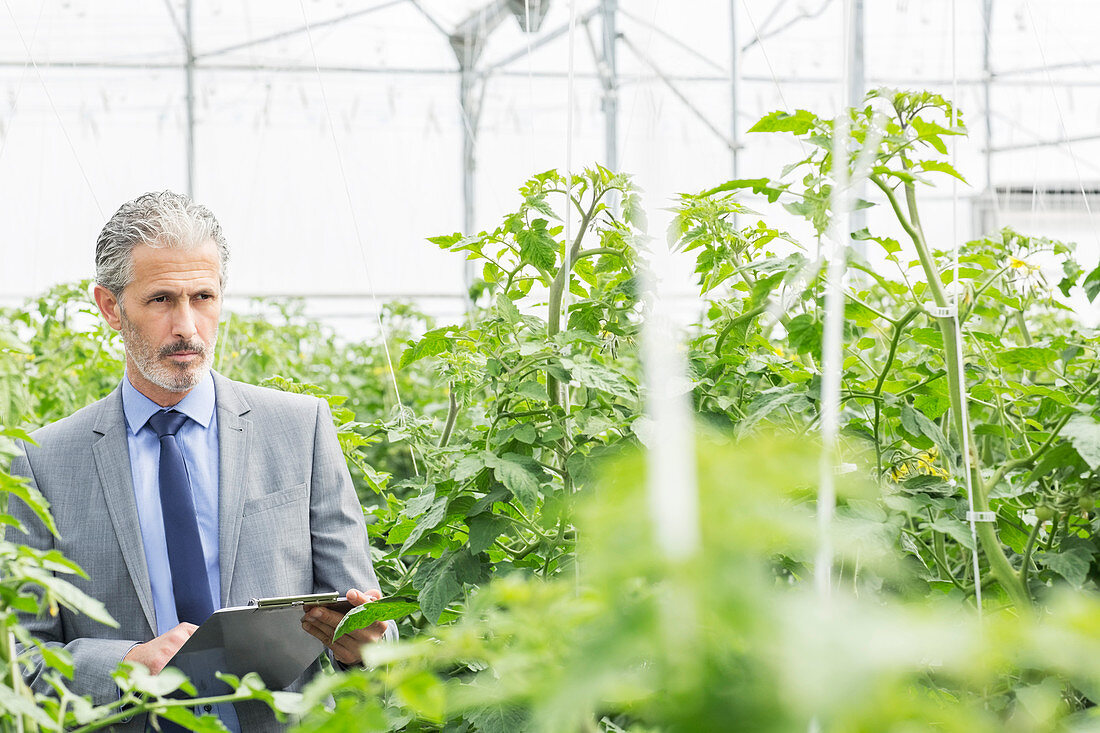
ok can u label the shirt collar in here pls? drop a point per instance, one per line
(197, 405)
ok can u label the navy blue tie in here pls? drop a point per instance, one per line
(181, 528)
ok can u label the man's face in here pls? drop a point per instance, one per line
(168, 316)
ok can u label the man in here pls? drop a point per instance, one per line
(183, 491)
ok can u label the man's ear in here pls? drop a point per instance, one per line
(109, 306)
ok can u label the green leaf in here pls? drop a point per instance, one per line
(498, 719)
(928, 484)
(917, 423)
(424, 694)
(801, 122)
(532, 390)
(771, 400)
(597, 376)
(72, 597)
(384, 609)
(1072, 564)
(931, 337)
(859, 314)
(940, 167)
(953, 528)
(56, 657)
(507, 309)
(1027, 358)
(1092, 284)
(538, 203)
(20, 487)
(934, 401)
(518, 479)
(139, 679)
(536, 246)
(633, 213)
(469, 466)
(484, 529)
(437, 586)
(431, 343)
(429, 521)
(804, 334)
(184, 717)
(446, 240)
(1083, 433)
(417, 505)
(12, 702)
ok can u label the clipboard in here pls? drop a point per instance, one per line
(265, 637)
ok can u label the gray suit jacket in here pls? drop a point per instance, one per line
(289, 522)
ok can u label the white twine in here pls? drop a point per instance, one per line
(567, 262)
(358, 234)
(964, 399)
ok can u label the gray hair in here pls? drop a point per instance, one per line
(156, 219)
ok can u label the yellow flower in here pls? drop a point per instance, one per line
(923, 464)
(1018, 264)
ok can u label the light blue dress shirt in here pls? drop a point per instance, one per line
(198, 441)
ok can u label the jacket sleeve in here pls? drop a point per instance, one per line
(93, 659)
(341, 551)
(341, 555)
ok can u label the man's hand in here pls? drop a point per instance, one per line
(321, 622)
(156, 653)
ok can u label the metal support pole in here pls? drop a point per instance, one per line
(735, 79)
(987, 84)
(189, 72)
(468, 103)
(610, 9)
(857, 85)
(467, 42)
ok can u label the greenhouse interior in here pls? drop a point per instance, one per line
(549, 365)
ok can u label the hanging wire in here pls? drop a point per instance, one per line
(833, 333)
(53, 108)
(358, 234)
(626, 136)
(567, 261)
(964, 399)
(1062, 121)
(22, 81)
(530, 82)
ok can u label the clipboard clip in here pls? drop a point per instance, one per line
(285, 601)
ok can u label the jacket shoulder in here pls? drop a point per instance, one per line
(267, 399)
(81, 422)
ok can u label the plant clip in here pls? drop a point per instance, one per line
(842, 468)
(981, 517)
(946, 311)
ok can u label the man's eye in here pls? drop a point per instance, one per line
(160, 299)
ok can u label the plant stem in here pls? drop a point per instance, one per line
(999, 564)
(1025, 568)
(452, 415)
(557, 291)
(899, 328)
(734, 322)
(148, 706)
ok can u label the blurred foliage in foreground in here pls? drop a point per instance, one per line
(723, 641)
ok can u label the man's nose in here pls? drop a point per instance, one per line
(183, 321)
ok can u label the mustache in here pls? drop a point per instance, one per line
(181, 347)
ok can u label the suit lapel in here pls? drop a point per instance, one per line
(112, 459)
(234, 446)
